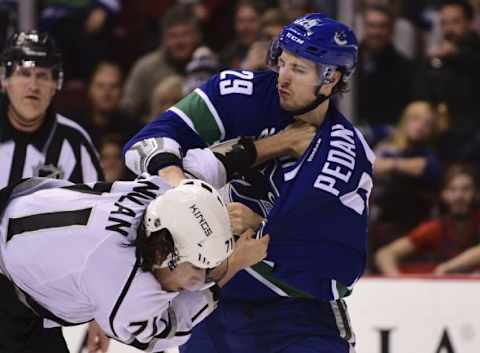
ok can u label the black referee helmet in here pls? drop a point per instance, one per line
(32, 49)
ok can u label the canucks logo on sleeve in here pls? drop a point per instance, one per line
(234, 103)
(231, 104)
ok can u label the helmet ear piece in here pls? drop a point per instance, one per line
(274, 53)
(60, 80)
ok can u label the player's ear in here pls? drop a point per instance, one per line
(337, 76)
(327, 88)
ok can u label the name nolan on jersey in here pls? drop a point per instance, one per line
(340, 161)
(121, 218)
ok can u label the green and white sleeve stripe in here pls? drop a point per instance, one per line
(199, 113)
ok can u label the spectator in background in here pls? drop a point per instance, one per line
(247, 30)
(166, 94)
(272, 22)
(451, 73)
(111, 158)
(294, 9)
(8, 20)
(404, 34)
(406, 173)
(181, 35)
(384, 75)
(83, 31)
(444, 237)
(203, 65)
(104, 115)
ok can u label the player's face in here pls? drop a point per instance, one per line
(459, 194)
(184, 276)
(297, 81)
(30, 91)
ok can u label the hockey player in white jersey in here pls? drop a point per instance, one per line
(142, 259)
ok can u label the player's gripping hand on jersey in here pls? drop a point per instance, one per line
(300, 135)
(242, 218)
(248, 251)
(215, 167)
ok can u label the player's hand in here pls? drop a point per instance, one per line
(97, 341)
(248, 250)
(299, 136)
(242, 218)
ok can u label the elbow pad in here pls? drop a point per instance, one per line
(152, 154)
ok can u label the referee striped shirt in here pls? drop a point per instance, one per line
(59, 149)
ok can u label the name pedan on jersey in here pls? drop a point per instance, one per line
(68, 248)
(318, 224)
(316, 216)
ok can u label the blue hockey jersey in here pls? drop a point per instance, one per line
(229, 105)
(318, 223)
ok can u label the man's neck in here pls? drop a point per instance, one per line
(20, 124)
(316, 116)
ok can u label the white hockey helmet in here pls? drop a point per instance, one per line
(197, 218)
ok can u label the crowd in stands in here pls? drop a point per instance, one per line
(414, 95)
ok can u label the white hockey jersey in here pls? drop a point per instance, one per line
(67, 247)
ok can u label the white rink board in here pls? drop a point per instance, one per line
(417, 311)
(413, 313)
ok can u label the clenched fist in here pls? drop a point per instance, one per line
(242, 218)
(248, 250)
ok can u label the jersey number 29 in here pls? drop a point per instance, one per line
(241, 84)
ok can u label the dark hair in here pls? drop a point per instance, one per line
(467, 8)
(341, 87)
(180, 14)
(153, 249)
(457, 169)
(105, 63)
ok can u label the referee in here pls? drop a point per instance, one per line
(35, 141)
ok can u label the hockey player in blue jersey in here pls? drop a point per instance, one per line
(316, 206)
